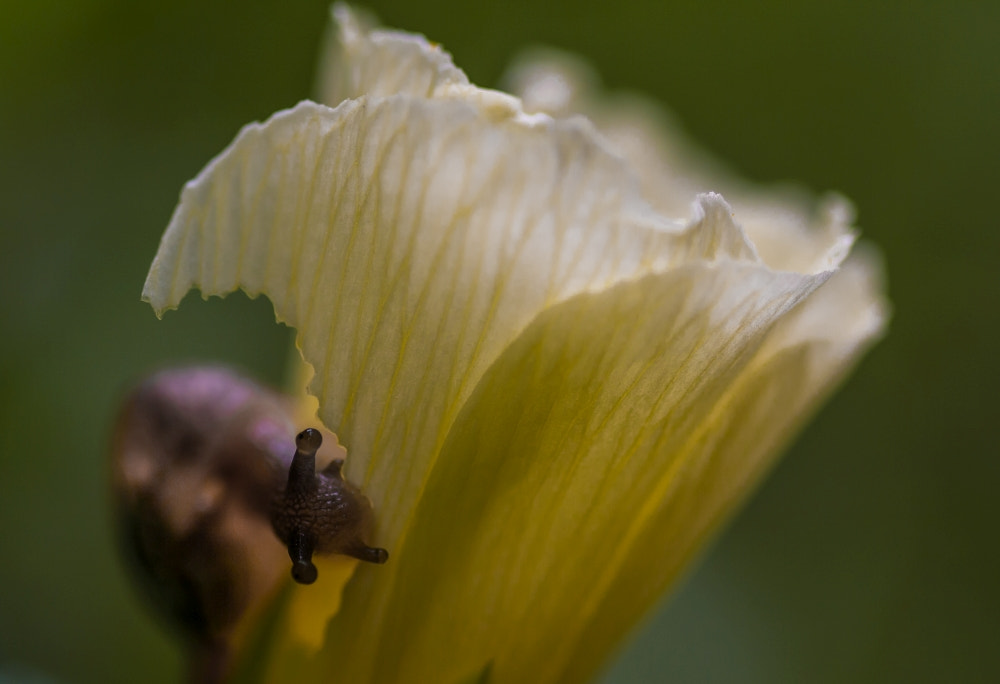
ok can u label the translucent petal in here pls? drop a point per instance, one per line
(805, 356)
(576, 444)
(361, 60)
(410, 241)
(786, 227)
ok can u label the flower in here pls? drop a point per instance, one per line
(551, 390)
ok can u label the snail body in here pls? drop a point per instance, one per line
(320, 512)
(210, 490)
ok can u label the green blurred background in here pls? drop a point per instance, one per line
(871, 553)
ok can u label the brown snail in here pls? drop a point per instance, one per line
(211, 488)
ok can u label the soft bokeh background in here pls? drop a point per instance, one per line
(871, 553)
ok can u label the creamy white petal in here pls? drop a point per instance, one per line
(410, 241)
(359, 59)
(787, 230)
(555, 474)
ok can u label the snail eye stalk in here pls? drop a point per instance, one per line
(321, 512)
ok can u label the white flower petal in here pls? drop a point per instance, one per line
(410, 241)
(361, 60)
(560, 468)
(803, 358)
(787, 232)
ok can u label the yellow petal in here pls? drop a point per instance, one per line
(410, 241)
(575, 445)
(805, 356)
(788, 231)
(361, 60)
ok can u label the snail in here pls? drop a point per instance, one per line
(320, 512)
(211, 490)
